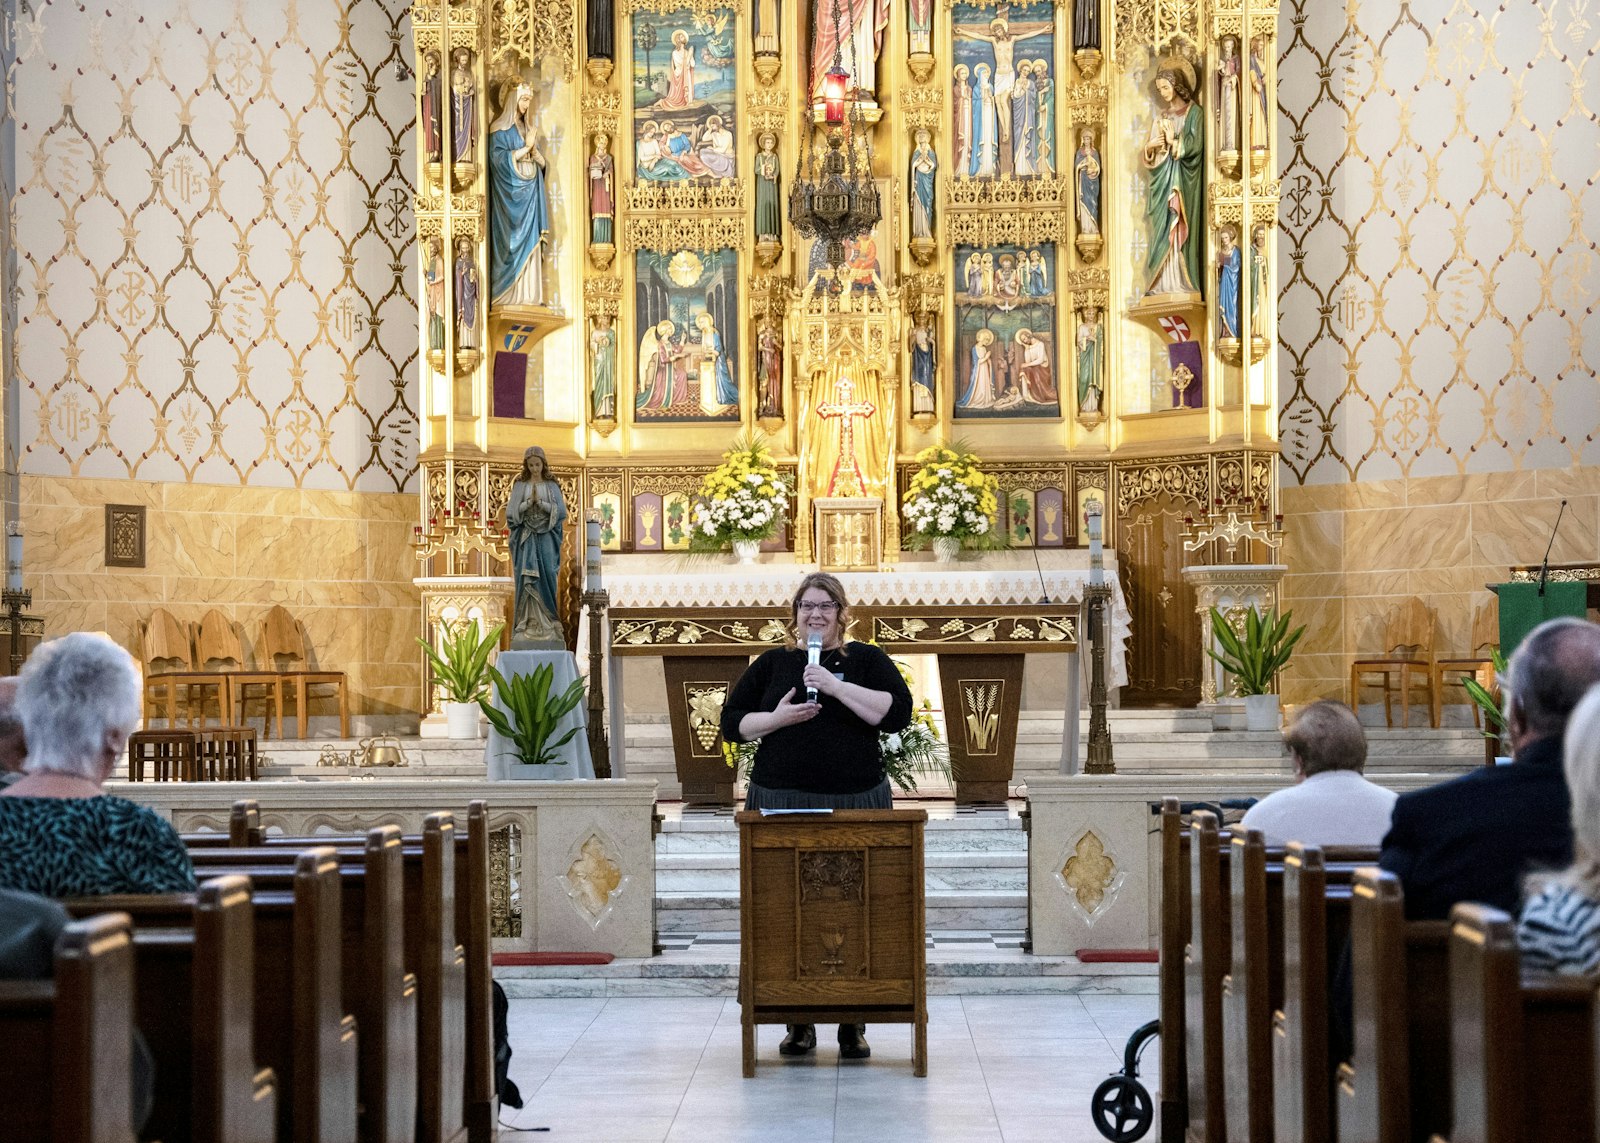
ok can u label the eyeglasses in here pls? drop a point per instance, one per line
(826, 608)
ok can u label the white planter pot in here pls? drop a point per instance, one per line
(747, 551)
(945, 549)
(461, 719)
(1261, 712)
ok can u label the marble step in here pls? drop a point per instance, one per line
(951, 973)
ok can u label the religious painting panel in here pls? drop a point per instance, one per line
(647, 523)
(1052, 522)
(675, 522)
(1006, 358)
(847, 34)
(687, 318)
(1003, 91)
(609, 507)
(1021, 529)
(684, 95)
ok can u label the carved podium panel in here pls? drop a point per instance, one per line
(831, 921)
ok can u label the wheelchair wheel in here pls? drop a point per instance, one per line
(1122, 1110)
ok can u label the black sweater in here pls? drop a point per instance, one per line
(835, 752)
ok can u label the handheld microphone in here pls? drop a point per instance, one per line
(1544, 568)
(813, 659)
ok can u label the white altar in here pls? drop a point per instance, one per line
(698, 584)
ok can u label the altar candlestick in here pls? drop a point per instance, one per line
(13, 556)
(592, 551)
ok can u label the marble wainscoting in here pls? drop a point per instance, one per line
(1356, 550)
(1094, 853)
(572, 864)
(341, 562)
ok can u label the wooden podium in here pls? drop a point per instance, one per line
(831, 922)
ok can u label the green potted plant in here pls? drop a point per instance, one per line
(1491, 701)
(535, 714)
(1255, 660)
(460, 668)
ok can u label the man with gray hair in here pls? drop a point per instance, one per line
(1332, 804)
(1476, 838)
(13, 747)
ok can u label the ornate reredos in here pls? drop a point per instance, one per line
(1049, 127)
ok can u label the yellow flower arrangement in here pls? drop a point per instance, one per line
(950, 495)
(743, 498)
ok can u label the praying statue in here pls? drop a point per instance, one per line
(597, 27)
(1174, 154)
(433, 278)
(924, 365)
(519, 205)
(463, 108)
(602, 190)
(924, 169)
(1090, 355)
(466, 271)
(1086, 174)
(769, 211)
(769, 370)
(1228, 268)
(432, 109)
(603, 369)
(535, 514)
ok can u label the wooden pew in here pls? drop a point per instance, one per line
(1206, 961)
(1397, 1087)
(1316, 923)
(244, 829)
(433, 961)
(376, 986)
(1172, 1099)
(1255, 986)
(472, 930)
(1523, 1046)
(301, 1030)
(67, 1040)
(193, 1003)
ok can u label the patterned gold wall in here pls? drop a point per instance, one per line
(212, 227)
(1438, 249)
(1438, 340)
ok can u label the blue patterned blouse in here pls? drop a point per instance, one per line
(88, 847)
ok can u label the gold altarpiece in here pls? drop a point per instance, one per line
(681, 311)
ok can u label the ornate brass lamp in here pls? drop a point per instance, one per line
(834, 198)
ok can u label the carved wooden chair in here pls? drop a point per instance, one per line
(1475, 663)
(1406, 657)
(217, 648)
(170, 674)
(283, 645)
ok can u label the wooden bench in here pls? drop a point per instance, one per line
(302, 1031)
(1396, 1088)
(1523, 1050)
(67, 1040)
(433, 970)
(193, 989)
(472, 929)
(1206, 960)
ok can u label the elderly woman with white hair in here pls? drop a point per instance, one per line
(61, 835)
(1560, 926)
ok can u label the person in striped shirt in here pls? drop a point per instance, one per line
(1559, 930)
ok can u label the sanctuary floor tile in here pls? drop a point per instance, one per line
(1012, 1069)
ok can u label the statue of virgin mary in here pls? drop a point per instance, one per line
(519, 205)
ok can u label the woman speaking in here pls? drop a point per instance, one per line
(819, 753)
